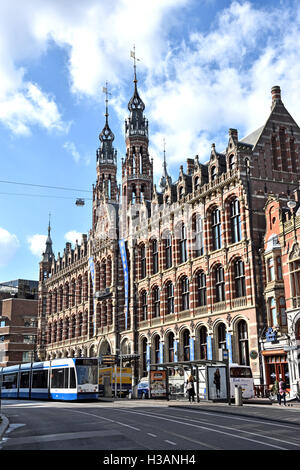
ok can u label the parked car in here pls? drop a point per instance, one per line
(142, 388)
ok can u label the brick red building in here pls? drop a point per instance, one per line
(280, 343)
(18, 330)
(193, 248)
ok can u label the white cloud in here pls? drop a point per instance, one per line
(73, 236)
(9, 245)
(71, 148)
(37, 244)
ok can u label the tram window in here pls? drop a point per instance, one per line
(240, 372)
(40, 379)
(24, 380)
(72, 378)
(9, 381)
(58, 378)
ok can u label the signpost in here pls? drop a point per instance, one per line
(226, 360)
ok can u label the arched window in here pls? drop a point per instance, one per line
(154, 256)
(201, 289)
(196, 183)
(73, 293)
(239, 278)
(183, 245)
(133, 194)
(109, 187)
(143, 261)
(295, 278)
(144, 356)
(236, 232)
(282, 311)
(198, 230)
(231, 162)
(279, 268)
(144, 305)
(293, 155)
(273, 312)
(186, 345)
(270, 264)
(156, 302)
(283, 149)
(213, 173)
(221, 336)
(274, 152)
(243, 343)
(203, 342)
(170, 298)
(216, 229)
(171, 347)
(168, 250)
(157, 349)
(220, 284)
(185, 293)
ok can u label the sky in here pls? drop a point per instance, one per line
(204, 66)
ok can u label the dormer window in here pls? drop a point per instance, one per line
(213, 173)
(231, 162)
(181, 193)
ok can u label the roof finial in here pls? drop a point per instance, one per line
(49, 227)
(105, 90)
(132, 54)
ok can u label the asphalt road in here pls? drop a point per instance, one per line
(134, 426)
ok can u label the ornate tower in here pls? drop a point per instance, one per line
(137, 170)
(106, 189)
(45, 270)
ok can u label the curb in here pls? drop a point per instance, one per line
(3, 426)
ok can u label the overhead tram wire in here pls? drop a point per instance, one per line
(43, 195)
(45, 186)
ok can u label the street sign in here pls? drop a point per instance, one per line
(109, 359)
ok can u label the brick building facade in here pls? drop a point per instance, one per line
(193, 249)
(281, 342)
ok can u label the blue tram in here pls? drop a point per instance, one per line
(57, 379)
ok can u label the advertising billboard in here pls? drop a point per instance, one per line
(158, 383)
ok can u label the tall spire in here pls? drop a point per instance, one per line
(136, 124)
(106, 151)
(165, 177)
(48, 254)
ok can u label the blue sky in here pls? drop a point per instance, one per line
(205, 66)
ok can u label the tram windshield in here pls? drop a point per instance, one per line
(87, 372)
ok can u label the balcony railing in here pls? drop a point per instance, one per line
(219, 307)
(239, 302)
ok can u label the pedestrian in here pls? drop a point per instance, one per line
(190, 388)
(282, 392)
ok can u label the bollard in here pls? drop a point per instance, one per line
(238, 395)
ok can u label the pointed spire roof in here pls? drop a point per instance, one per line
(106, 150)
(48, 254)
(136, 101)
(165, 177)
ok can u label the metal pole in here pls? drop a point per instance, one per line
(120, 373)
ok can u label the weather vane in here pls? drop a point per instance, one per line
(105, 90)
(132, 54)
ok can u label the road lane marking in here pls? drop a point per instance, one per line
(239, 430)
(106, 419)
(152, 435)
(208, 429)
(249, 419)
(170, 442)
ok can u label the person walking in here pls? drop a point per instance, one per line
(190, 388)
(282, 392)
